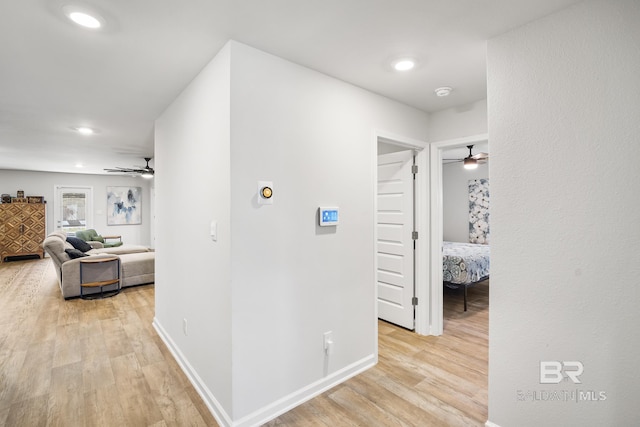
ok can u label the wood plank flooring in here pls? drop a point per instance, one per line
(418, 381)
(101, 363)
(86, 363)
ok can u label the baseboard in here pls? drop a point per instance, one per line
(209, 399)
(490, 424)
(287, 403)
(273, 410)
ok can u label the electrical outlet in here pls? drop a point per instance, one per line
(327, 339)
(184, 326)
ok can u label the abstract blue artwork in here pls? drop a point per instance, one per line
(124, 205)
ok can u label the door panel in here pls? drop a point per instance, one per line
(395, 245)
(73, 208)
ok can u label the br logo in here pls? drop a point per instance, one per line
(553, 371)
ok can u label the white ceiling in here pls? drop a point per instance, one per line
(55, 76)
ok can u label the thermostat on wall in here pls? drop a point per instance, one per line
(265, 192)
(328, 216)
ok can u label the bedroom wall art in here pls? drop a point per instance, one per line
(124, 205)
(479, 211)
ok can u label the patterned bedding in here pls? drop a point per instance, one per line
(464, 263)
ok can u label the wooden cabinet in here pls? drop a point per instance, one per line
(22, 229)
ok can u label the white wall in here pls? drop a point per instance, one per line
(457, 122)
(290, 280)
(43, 183)
(564, 93)
(455, 199)
(193, 273)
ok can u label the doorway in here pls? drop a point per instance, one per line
(73, 208)
(436, 221)
(419, 306)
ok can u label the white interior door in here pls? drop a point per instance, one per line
(395, 245)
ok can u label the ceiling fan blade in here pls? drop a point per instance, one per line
(117, 169)
(138, 170)
(480, 156)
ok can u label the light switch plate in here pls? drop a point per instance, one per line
(214, 231)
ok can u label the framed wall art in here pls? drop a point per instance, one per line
(479, 211)
(124, 205)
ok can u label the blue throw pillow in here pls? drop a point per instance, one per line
(79, 244)
(74, 253)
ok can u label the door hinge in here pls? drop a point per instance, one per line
(414, 169)
(414, 301)
(414, 235)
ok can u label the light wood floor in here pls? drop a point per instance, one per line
(418, 381)
(85, 363)
(101, 363)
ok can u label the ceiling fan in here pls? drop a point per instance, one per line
(145, 172)
(472, 160)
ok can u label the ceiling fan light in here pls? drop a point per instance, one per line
(470, 163)
(147, 174)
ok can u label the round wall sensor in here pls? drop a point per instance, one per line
(266, 192)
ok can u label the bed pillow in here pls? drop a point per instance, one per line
(79, 244)
(75, 253)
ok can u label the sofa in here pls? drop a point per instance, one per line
(137, 263)
(91, 236)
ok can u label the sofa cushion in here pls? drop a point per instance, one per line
(75, 253)
(79, 244)
(120, 250)
(59, 233)
(55, 246)
(138, 268)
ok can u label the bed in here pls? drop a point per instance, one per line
(464, 265)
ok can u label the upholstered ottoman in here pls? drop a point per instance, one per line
(138, 268)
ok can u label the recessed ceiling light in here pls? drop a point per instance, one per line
(85, 130)
(84, 16)
(404, 64)
(79, 165)
(85, 20)
(443, 91)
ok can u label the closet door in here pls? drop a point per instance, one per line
(395, 245)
